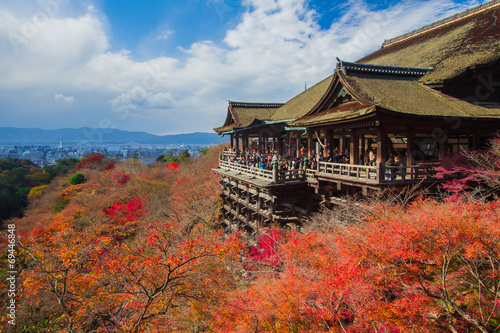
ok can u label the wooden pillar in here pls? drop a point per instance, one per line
(342, 142)
(244, 144)
(362, 150)
(247, 205)
(280, 145)
(258, 201)
(410, 147)
(232, 140)
(476, 140)
(299, 138)
(237, 141)
(328, 143)
(382, 145)
(443, 143)
(354, 149)
(261, 143)
(237, 190)
(309, 143)
(288, 151)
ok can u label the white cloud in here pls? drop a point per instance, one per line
(165, 34)
(61, 98)
(277, 46)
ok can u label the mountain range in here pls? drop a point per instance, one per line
(93, 136)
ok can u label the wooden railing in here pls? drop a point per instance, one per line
(398, 174)
(275, 176)
(369, 174)
(250, 171)
(229, 153)
(311, 175)
(378, 174)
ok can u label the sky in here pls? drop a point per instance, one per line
(170, 66)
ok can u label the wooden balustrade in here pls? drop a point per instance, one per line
(274, 176)
(369, 174)
(378, 174)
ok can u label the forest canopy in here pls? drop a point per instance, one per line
(137, 248)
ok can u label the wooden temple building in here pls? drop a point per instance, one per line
(424, 95)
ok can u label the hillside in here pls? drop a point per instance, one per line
(130, 247)
(86, 135)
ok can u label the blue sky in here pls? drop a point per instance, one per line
(170, 66)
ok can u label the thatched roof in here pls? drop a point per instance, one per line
(407, 95)
(333, 115)
(303, 102)
(396, 94)
(241, 115)
(450, 48)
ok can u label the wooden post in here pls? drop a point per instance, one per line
(309, 143)
(275, 172)
(245, 144)
(299, 139)
(342, 142)
(362, 149)
(443, 143)
(258, 200)
(410, 147)
(476, 140)
(381, 145)
(380, 172)
(232, 140)
(288, 151)
(354, 149)
(237, 190)
(280, 145)
(261, 142)
(248, 205)
(328, 143)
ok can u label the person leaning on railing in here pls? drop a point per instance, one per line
(390, 173)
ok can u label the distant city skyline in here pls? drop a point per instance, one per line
(169, 67)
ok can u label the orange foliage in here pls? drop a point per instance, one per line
(427, 269)
(110, 269)
(148, 257)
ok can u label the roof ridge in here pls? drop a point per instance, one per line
(256, 105)
(442, 22)
(345, 66)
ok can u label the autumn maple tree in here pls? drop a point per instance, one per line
(143, 256)
(139, 248)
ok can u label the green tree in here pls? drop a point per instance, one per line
(78, 178)
(62, 167)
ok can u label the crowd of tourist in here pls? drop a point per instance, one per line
(266, 161)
